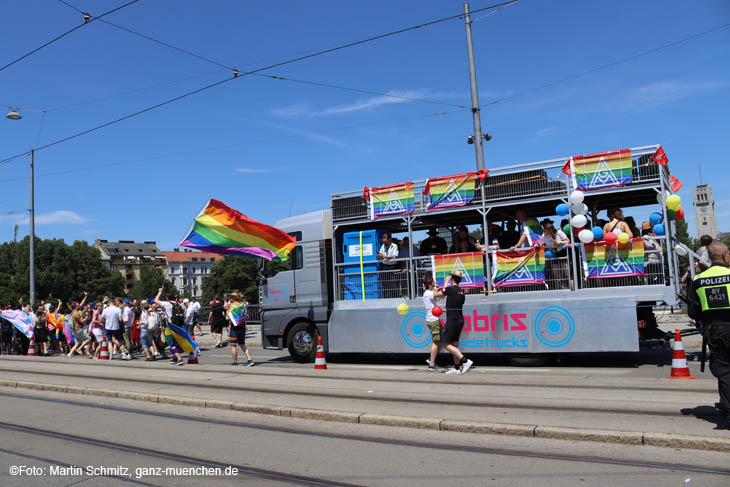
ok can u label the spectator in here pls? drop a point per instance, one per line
(617, 225)
(510, 236)
(407, 249)
(704, 262)
(433, 244)
(632, 226)
(147, 324)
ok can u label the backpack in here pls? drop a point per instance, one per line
(178, 314)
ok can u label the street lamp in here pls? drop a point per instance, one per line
(15, 115)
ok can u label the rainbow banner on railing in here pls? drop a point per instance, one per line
(395, 199)
(450, 191)
(602, 261)
(602, 170)
(519, 268)
(470, 264)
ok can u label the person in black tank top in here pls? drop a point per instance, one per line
(455, 322)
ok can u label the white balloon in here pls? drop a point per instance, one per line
(659, 197)
(579, 209)
(576, 197)
(585, 236)
(579, 221)
(680, 250)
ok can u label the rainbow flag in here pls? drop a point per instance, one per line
(519, 268)
(223, 230)
(534, 232)
(602, 170)
(469, 263)
(450, 191)
(181, 337)
(601, 261)
(20, 320)
(239, 313)
(395, 199)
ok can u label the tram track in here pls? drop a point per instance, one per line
(431, 445)
(410, 379)
(162, 455)
(313, 392)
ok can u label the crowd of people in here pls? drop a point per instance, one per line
(156, 328)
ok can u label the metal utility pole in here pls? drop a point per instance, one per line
(15, 233)
(32, 231)
(474, 93)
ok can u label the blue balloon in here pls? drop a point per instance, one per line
(549, 254)
(597, 233)
(659, 230)
(562, 209)
(656, 218)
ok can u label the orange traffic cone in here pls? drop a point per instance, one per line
(104, 355)
(31, 349)
(319, 362)
(192, 359)
(679, 359)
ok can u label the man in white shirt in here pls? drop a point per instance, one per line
(111, 318)
(387, 255)
(196, 311)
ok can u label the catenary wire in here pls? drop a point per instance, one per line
(608, 65)
(237, 75)
(61, 36)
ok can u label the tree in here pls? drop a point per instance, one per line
(62, 271)
(234, 272)
(150, 281)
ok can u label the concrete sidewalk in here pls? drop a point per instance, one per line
(609, 409)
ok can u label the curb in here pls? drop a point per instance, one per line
(666, 440)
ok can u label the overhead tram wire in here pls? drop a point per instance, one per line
(61, 36)
(276, 77)
(606, 66)
(237, 75)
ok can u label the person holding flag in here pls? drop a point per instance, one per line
(238, 315)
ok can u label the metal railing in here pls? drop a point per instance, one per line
(254, 311)
(655, 270)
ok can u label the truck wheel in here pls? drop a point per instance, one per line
(530, 360)
(302, 342)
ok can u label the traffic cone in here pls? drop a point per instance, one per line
(31, 349)
(319, 362)
(679, 359)
(192, 359)
(104, 355)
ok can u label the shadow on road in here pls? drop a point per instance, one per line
(709, 414)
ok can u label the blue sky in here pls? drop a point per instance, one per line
(265, 146)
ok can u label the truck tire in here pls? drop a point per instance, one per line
(302, 342)
(530, 360)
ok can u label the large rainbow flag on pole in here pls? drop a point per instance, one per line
(450, 191)
(601, 170)
(469, 263)
(223, 230)
(519, 268)
(602, 261)
(20, 320)
(394, 199)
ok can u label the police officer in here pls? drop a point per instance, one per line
(709, 302)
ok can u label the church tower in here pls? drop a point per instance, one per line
(705, 211)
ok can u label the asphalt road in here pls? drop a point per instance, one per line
(103, 432)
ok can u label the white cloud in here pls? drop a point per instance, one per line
(292, 110)
(662, 92)
(55, 217)
(251, 170)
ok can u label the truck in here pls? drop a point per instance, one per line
(334, 287)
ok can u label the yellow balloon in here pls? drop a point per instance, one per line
(623, 238)
(402, 309)
(674, 202)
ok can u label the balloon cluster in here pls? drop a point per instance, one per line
(674, 212)
(579, 221)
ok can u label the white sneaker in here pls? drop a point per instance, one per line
(453, 371)
(466, 366)
(126, 357)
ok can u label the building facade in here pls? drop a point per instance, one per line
(188, 269)
(128, 257)
(704, 211)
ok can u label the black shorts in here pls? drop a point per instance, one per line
(237, 335)
(452, 331)
(217, 327)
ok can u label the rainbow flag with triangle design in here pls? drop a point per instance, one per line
(450, 191)
(601, 261)
(602, 170)
(469, 263)
(394, 199)
(519, 268)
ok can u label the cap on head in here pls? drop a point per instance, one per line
(432, 231)
(186, 300)
(126, 301)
